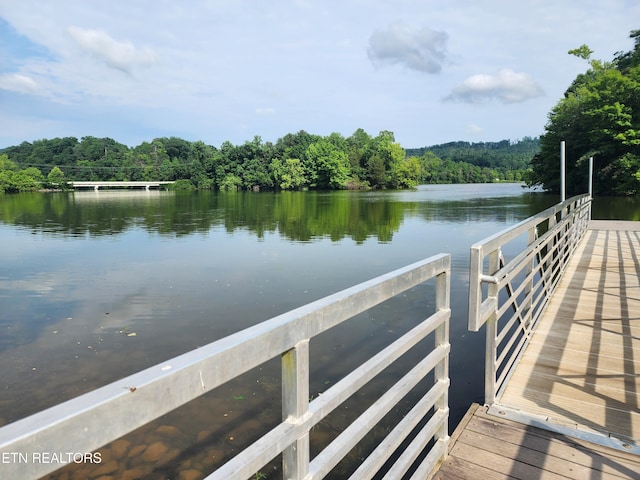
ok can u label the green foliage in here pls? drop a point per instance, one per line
(408, 172)
(583, 51)
(328, 165)
(599, 116)
(182, 185)
(55, 178)
(296, 161)
(13, 179)
(230, 183)
(6, 164)
(26, 180)
(288, 173)
(484, 162)
(504, 156)
(627, 60)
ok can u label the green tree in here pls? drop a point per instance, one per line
(7, 167)
(430, 165)
(329, 165)
(231, 183)
(98, 159)
(27, 180)
(200, 167)
(55, 178)
(599, 116)
(376, 172)
(288, 173)
(6, 164)
(295, 145)
(395, 162)
(408, 172)
(385, 165)
(359, 151)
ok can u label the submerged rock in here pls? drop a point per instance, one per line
(190, 474)
(137, 450)
(119, 448)
(168, 431)
(106, 468)
(132, 474)
(154, 452)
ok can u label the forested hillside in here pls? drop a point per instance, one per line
(504, 155)
(296, 161)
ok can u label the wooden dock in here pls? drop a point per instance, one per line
(492, 448)
(571, 408)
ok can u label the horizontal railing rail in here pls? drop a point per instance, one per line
(88, 422)
(509, 295)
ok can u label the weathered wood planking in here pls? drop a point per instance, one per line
(488, 447)
(582, 365)
(580, 372)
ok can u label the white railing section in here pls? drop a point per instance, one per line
(509, 295)
(88, 422)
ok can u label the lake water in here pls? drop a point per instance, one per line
(95, 286)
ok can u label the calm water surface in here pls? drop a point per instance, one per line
(95, 286)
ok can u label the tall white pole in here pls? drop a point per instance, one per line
(591, 177)
(563, 195)
(591, 186)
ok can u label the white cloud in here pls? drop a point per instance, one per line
(507, 87)
(18, 83)
(123, 56)
(420, 49)
(474, 129)
(218, 71)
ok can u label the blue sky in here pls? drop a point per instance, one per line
(213, 70)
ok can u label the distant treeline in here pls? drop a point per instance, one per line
(296, 161)
(503, 156)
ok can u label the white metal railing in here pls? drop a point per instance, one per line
(510, 295)
(88, 422)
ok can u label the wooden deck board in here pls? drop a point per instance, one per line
(582, 365)
(612, 338)
(572, 374)
(579, 373)
(488, 447)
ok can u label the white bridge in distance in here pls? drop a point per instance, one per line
(97, 185)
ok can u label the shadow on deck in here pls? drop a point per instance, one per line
(488, 447)
(580, 369)
(570, 409)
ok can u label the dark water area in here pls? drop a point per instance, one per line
(95, 286)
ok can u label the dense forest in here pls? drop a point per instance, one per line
(599, 117)
(502, 156)
(297, 161)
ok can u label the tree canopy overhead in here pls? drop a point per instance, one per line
(598, 116)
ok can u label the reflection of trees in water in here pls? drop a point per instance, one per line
(297, 216)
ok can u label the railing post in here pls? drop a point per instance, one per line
(443, 295)
(528, 303)
(475, 288)
(295, 405)
(563, 195)
(590, 177)
(490, 373)
(567, 234)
